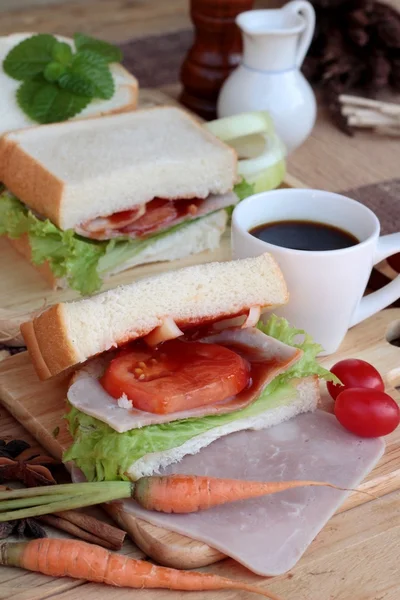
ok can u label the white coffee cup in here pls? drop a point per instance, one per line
(326, 287)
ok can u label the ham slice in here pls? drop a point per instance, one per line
(268, 358)
(153, 217)
(268, 535)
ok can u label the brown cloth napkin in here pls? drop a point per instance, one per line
(157, 60)
(384, 200)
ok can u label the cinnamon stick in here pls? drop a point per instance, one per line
(87, 528)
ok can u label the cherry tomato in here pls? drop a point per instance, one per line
(176, 376)
(354, 372)
(367, 412)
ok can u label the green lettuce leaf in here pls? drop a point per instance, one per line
(104, 454)
(81, 261)
(244, 189)
(280, 329)
(68, 255)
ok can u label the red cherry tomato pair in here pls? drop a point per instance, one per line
(361, 404)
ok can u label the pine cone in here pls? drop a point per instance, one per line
(380, 71)
(358, 18)
(388, 30)
(358, 35)
(395, 74)
(356, 45)
(329, 3)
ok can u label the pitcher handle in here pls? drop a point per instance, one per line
(307, 11)
(373, 303)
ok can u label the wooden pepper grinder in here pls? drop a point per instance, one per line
(215, 53)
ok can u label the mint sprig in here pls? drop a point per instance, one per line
(30, 57)
(58, 82)
(46, 102)
(88, 75)
(109, 52)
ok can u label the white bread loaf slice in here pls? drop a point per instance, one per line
(68, 334)
(75, 171)
(199, 236)
(305, 399)
(12, 117)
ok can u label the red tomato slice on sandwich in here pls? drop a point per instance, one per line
(176, 376)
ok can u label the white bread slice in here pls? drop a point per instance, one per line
(12, 117)
(305, 399)
(68, 334)
(75, 171)
(201, 235)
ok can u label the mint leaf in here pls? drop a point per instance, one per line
(88, 75)
(53, 71)
(109, 52)
(62, 53)
(45, 102)
(30, 57)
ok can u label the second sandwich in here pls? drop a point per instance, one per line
(84, 200)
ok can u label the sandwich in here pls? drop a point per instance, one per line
(124, 98)
(86, 199)
(161, 368)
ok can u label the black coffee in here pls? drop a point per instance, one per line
(304, 235)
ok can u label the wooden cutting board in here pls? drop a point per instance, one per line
(40, 407)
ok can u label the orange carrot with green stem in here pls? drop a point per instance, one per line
(169, 493)
(191, 493)
(80, 560)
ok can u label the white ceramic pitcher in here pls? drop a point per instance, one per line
(275, 43)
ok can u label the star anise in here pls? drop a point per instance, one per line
(22, 528)
(19, 462)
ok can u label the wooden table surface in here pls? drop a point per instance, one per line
(356, 556)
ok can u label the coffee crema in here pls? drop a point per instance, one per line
(304, 235)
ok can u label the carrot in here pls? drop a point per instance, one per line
(169, 494)
(191, 493)
(80, 560)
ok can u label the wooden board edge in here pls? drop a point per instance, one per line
(165, 547)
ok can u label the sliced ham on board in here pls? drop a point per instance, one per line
(269, 535)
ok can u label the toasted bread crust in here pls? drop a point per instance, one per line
(22, 246)
(43, 191)
(28, 333)
(48, 345)
(26, 178)
(70, 333)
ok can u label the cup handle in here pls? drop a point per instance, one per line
(307, 11)
(373, 303)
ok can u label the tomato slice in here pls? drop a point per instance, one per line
(176, 376)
